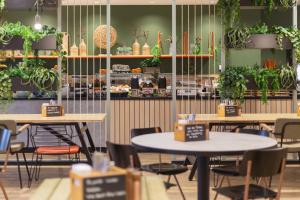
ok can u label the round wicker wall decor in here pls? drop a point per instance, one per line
(100, 36)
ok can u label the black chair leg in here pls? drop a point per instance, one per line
(26, 165)
(177, 182)
(193, 171)
(19, 170)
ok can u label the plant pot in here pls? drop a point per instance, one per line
(46, 43)
(151, 70)
(16, 43)
(19, 85)
(267, 41)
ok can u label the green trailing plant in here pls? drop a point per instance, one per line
(155, 60)
(230, 12)
(273, 4)
(238, 37)
(287, 76)
(28, 34)
(232, 83)
(262, 77)
(2, 4)
(292, 34)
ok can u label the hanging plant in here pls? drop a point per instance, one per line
(238, 37)
(262, 77)
(287, 76)
(2, 4)
(155, 60)
(230, 12)
(292, 34)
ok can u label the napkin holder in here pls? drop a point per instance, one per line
(48, 110)
(116, 183)
(191, 132)
(229, 110)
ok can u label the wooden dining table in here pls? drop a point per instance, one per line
(68, 120)
(244, 119)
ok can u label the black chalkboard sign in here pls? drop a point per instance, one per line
(53, 111)
(231, 111)
(195, 132)
(105, 188)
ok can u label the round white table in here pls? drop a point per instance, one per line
(219, 143)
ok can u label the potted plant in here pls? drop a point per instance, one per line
(287, 75)
(266, 80)
(232, 84)
(152, 65)
(264, 38)
(237, 37)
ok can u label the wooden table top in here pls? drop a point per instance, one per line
(245, 117)
(59, 188)
(67, 118)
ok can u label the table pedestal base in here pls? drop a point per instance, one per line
(203, 177)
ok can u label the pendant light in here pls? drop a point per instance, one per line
(37, 18)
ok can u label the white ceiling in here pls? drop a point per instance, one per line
(138, 2)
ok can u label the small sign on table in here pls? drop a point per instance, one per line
(229, 111)
(191, 132)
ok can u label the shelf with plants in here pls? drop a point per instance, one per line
(30, 73)
(235, 82)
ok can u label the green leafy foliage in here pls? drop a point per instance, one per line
(287, 76)
(263, 77)
(232, 83)
(292, 34)
(260, 28)
(155, 60)
(230, 10)
(238, 37)
(9, 30)
(2, 4)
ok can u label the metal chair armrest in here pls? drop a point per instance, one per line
(266, 127)
(23, 128)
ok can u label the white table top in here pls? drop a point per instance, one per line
(220, 143)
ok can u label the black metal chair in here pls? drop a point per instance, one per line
(257, 164)
(126, 156)
(168, 169)
(54, 142)
(17, 148)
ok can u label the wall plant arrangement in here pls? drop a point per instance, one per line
(234, 81)
(31, 71)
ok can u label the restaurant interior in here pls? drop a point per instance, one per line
(149, 99)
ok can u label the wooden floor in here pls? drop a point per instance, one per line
(291, 189)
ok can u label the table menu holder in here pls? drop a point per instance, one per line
(52, 110)
(229, 111)
(191, 132)
(115, 184)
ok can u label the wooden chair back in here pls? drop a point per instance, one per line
(124, 156)
(262, 164)
(287, 128)
(142, 131)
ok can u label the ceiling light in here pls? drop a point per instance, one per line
(37, 18)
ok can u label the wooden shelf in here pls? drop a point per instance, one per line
(118, 57)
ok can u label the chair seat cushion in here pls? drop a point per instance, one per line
(292, 147)
(165, 168)
(55, 150)
(229, 170)
(237, 192)
(16, 146)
